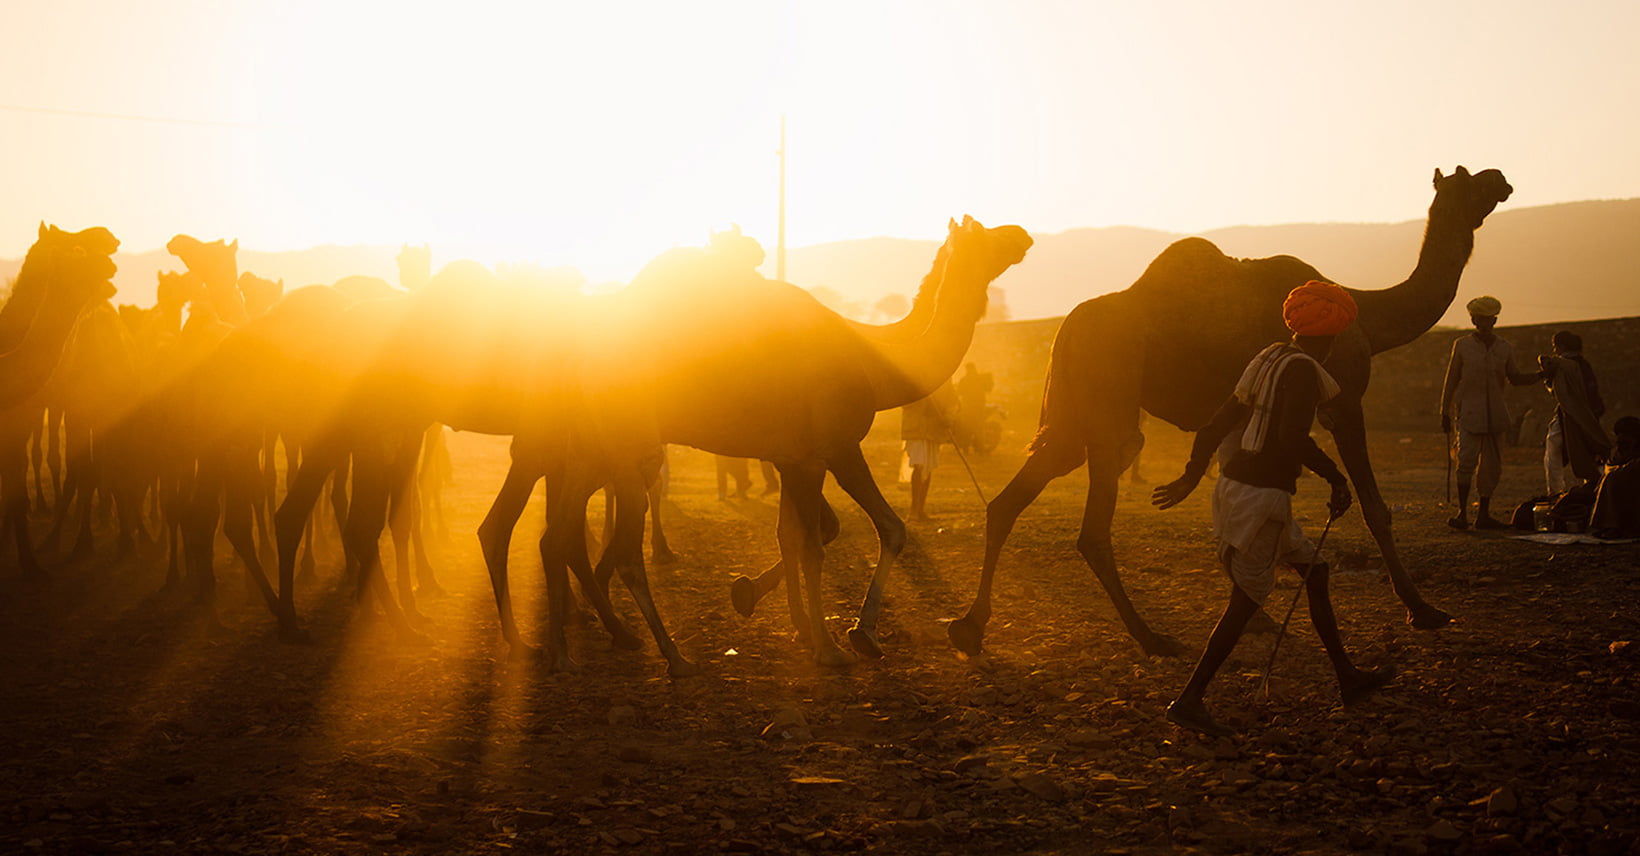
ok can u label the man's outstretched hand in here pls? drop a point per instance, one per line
(1173, 493)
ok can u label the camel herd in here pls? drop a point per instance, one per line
(177, 423)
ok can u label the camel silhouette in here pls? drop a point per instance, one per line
(62, 274)
(1173, 345)
(758, 369)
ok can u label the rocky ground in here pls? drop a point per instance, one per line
(126, 727)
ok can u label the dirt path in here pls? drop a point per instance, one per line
(125, 728)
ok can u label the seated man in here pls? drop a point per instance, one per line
(1616, 511)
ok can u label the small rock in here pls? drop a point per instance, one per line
(788, 724)
(623, 714)
(1620, 647)
(1559, 807)
(1041, 786)
(1502, 802)
(628, 835)
(969, 763)
(812, 783)
(635, 754)
(1443, 830)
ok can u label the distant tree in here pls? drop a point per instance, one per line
(996, 308)
(891, 307)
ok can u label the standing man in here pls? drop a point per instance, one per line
(1252, 504)
(1480, 367)
(924, 425)
(1575, 436)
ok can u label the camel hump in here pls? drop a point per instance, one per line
(1195, 272)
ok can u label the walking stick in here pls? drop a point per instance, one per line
(964, 458)
(1304, 582)
(1448, 466)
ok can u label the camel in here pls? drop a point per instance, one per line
(216, 266)
(1173, 344)
(63, 274)
(757, 369)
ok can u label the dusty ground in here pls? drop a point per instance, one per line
(127, 729)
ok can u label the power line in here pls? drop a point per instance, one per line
(123, 117)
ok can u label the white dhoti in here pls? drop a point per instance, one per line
(1256, 531)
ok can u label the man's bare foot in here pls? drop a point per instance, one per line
(1194, 716)
(1458, 522)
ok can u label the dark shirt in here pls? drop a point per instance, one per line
(1288, 448)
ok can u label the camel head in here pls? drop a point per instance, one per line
(48, 252)
(987, 251)
(84, 276)
(177, 289)
(415, 265)
(1469, 198)
(95, 240)
(260, 293)
(215, 261)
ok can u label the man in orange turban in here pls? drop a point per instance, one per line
(1252, 503)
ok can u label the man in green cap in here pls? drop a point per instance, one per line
(1480, 367)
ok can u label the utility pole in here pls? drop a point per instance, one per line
(780, 228)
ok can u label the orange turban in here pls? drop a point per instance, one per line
(1318, 309)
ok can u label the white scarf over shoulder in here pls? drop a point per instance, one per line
(1257, 388)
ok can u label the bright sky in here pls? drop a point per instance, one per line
(598, 133)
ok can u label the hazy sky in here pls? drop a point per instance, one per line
(598, 133)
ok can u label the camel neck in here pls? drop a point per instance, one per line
(1395, 316)
(911, 366)
(26, 367)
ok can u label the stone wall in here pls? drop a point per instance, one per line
(1406, 382)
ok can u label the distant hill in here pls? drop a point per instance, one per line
(1569, 262)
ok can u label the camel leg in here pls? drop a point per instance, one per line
(555, 544)
(203, 512)
(36, 457)
(401, 522)
(1105, 466)
(14, 496)
(595, 581)
(854, 476)
(294, 515)
(626, 552)
(1046, 463)
(366, 518)
(658, 547)
(54, 450)
(1350, 433)
(426, 583)
(243, 484)
(800, 547)
(747, 592)
(494, 539)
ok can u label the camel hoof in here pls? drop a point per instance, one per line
(864, 642)
(743, 594)
(833, 657)
(1163, 645)
(1428, 617)
(413, 638)
(291, 634)
(561, 662)
(625, 639)
(681, 668)
(430, 588)
(1261, 622)
(521, 652)
(966, 635)
(663, 556)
